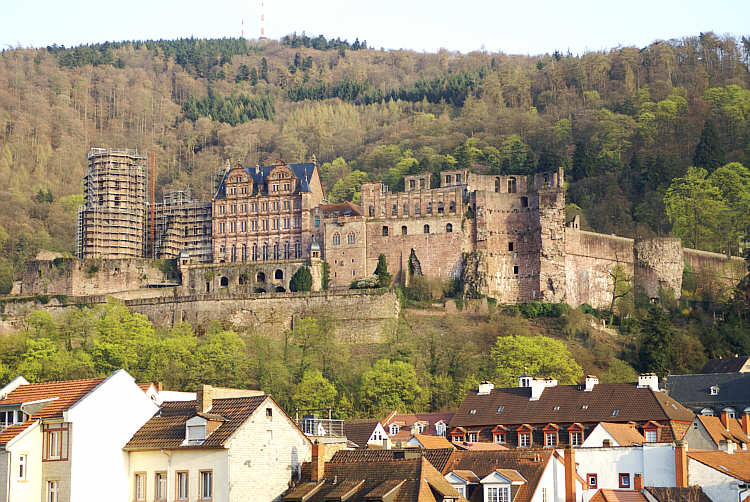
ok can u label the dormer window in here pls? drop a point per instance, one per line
(195, 431)
(714, 390)
(394, 429)
(419, 427)
(473, 411)
(440, 428)
(500, 408)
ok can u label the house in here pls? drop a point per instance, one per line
(223, 446)
(401, 427)
(539, 412)
(723, 475)
(364, 433)
(708, 433)
(613, 434)
(712, 393)
(411, 479)
(427, 442)
(514, 475)
(63, 441)
(736, 364)
(634, 495)
(618, 467)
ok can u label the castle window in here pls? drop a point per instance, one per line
(371, 210)
(458, 178)
(385, 231)
(276, 254)
(452, 207)
(714, 390)
(278, 275)
(253, 207)
(224, 282)
(286, 204)
(511, 185)
(351, 238)
(412, 184)
(336, 239)
(510, 246)
(297, 250)
(417, 208)
(234, 253)
(243, 226)
(244, 252)
(427, 229)
(449, 228)
(524, 202)
(317, 221)
(222, 209)
(242, 280)
(403, 230)
(287, 250)
(440, 208)
(448, 179)
(421, 184)
(429, 208)
(297, 204)
(255, 252)
(515, 269)
(497, 184)
(265, 251)
(261, 277)
(394, 210)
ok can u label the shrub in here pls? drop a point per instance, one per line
(532, 310)
(301, 280)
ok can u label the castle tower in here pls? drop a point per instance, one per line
(111, 223)
(658, 265)
(550, 188)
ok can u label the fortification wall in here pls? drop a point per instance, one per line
(728, 270)
(658, 265)
(359, 316)
(589, 257)
(71, 276)
(438, 252)
(345, 250)
(239, 278)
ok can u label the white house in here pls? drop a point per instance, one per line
(613, 434)
(68, 437)
(227, 445)
(723, 475)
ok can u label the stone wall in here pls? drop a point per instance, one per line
(71, 276)
(240, 278)
(589, 258)
(658, 265)
(727, 270)
(360, 316)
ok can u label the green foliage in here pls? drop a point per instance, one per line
(657, 343)
(618, 371)
(540, 356)
(709, 154)
(384, 278)
(232, 110)
(321, 43)
(532, 310)
(314, 392)
(348, 188)
(301, 280)
(325, 276)
(389, 385)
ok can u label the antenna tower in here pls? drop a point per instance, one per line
(262, 21)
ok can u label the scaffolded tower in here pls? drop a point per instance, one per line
(183, 225)
(111, 223)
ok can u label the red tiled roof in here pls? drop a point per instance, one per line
(359, 431)
(438, 458)
(433, 442)
(14, 430)
(408, 419)
(573, 405)
(624, 434)
(479, 446)
(718, 432)
(166, 429)
(66, 394)
(736, 464)
(618, 496)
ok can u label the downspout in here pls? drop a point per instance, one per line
(169, 473)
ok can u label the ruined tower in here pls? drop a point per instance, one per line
(111, 223)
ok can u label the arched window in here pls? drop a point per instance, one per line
(385, 231)
(511, 185)
(234, 253)
(441, 208)
(279, 274)
(449, 228)
(255, 252)
(497, 184)
(351, 238)
(297, 249)
(287, 250)
(336, 239)
(261, 277)
(371, 210)
(452, 206)
(244, 252)
(427, 229)
(275, 250)
(265, 251)
(403, 230)
(224, 282)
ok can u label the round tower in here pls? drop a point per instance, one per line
(658, 265)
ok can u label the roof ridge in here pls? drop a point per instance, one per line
(60, 381)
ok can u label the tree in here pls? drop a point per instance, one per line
(314, 392)
(389, 385)
(618, 371)
(621, 287)
(539, 356)
(301, 280)
(384, 278)
(656, 352)
(708, 152)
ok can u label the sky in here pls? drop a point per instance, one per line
(512, 27)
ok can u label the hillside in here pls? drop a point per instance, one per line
(623, 122)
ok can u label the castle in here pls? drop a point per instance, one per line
(503, 236)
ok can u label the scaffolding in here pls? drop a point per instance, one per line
(182, 224)
(111, 223)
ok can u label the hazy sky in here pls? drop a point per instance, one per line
(516, 27)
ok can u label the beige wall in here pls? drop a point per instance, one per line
(28, 443)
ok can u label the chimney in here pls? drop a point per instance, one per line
(746, 421)
(159, 386)
(318, 462)
(648, 380)
(485, 388)
(727, 446)
(204, 398)
(570, 475)
(724, 417)
(638, 482)
(680, 464)
(590, 382)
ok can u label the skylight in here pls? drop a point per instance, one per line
(556, 408)
(500, 408)
(615, 412)
(473, 411)
(584, 406)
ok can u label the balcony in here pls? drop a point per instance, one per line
(321, 427)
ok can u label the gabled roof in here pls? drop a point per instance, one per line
(479, 446)
(672, 494)
(413, 480)
(359, 431)
(408, 419)
(623, 434)
(573, 405)
(604, 495)
(718, 432)
(340, 209)
(467, 476)
(433, 442)
(438, 458)
(166, 429)
(62, 395)
(726, 365)
(14, 430)
(736, 464)
(529, 464)
(695, 390)
(259, 174)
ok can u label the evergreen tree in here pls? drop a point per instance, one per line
(708, 153)
(301, 280)
(657, 353)
(384, 278)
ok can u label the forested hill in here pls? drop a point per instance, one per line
(625, 123)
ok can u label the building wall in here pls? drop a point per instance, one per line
(698, 439)
(717, 485)
(102, 423)
(240, 277)
(654, 462)
(11, 488)
(597, 437)
(170, 461)
(59, 471)
(265, 454)
(346, 260)
(553, 479)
